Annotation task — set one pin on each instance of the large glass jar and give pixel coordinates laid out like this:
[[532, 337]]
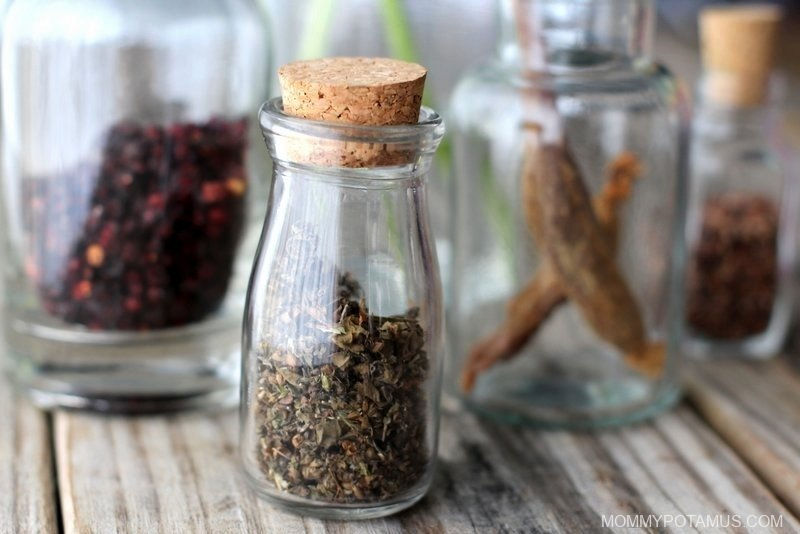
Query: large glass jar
[[566, 226], [343, 337], [126, 180]]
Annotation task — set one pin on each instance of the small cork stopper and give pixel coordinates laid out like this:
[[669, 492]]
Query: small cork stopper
[[353, 90], [738, 48]]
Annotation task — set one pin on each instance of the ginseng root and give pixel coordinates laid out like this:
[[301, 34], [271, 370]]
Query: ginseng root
[[563, 223], [528, 310]]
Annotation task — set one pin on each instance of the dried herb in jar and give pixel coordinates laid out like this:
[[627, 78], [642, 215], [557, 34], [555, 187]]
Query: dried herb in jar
[[733, 268], [342, 409], [146, 239]]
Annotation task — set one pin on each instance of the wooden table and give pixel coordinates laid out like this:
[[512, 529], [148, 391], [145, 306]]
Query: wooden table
[[733, 447]]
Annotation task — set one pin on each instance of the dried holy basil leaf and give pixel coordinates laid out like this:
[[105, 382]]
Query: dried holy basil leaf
[[342, 409]]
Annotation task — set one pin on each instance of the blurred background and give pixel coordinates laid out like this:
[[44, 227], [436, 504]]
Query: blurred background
[[451, 36], [448, 36]]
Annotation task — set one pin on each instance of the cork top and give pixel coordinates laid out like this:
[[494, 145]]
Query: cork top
[[355, 90], [738, 48]]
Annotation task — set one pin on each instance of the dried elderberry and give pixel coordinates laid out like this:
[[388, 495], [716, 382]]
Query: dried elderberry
[[733, 270], [146, 239]]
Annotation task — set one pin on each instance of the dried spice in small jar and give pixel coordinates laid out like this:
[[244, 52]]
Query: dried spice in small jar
[[157, 225], [740, 229], [343, 327], [733, 269]]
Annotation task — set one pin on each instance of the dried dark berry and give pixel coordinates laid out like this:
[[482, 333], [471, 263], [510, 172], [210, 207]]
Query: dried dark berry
[[733, 270], [82, 290], [95, 254], [147, 238]]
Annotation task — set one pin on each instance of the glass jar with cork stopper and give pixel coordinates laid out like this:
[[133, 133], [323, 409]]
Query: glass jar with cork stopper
[[743, 199], [567, 220], [342, 346]]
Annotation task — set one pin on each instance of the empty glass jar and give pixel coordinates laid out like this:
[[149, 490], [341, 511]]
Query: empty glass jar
[[567, 220], [342, 346], [126, 181]]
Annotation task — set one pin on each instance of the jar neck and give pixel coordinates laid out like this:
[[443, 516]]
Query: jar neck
[[720, 120], [378, 179], [572, 35], [738, 92], [361, 155]]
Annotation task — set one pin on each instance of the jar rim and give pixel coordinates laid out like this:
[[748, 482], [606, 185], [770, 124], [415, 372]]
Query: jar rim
[[274, 121]]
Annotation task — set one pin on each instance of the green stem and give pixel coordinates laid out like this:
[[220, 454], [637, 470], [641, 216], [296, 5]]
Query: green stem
[[315, 33], [394, 231], [398, 30], [400, 41], [498, 211]]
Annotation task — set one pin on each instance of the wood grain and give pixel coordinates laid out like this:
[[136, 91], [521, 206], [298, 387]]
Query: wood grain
[[160, 474], [27, 493], [755, 407], [180, 474]]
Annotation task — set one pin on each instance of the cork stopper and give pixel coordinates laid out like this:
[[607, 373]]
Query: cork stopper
[[353, 90], [738, 48]]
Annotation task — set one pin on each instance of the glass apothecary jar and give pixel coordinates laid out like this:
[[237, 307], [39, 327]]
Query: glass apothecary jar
[[567, 220], [126, 180], [343, 340], [743, 196]]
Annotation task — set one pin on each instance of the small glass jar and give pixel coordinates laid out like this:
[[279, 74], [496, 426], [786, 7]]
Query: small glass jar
[[743, 197], [342, 345], [127, 174], [572, 320]]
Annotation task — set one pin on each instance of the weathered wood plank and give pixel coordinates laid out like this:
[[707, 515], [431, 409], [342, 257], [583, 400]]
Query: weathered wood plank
[[755, 407], [160, 474], [179, 473], [27, 493]]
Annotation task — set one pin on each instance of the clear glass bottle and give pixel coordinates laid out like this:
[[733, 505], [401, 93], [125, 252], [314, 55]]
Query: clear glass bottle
[[532, 340], [127, 173], [343, 341], [743, 207]]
